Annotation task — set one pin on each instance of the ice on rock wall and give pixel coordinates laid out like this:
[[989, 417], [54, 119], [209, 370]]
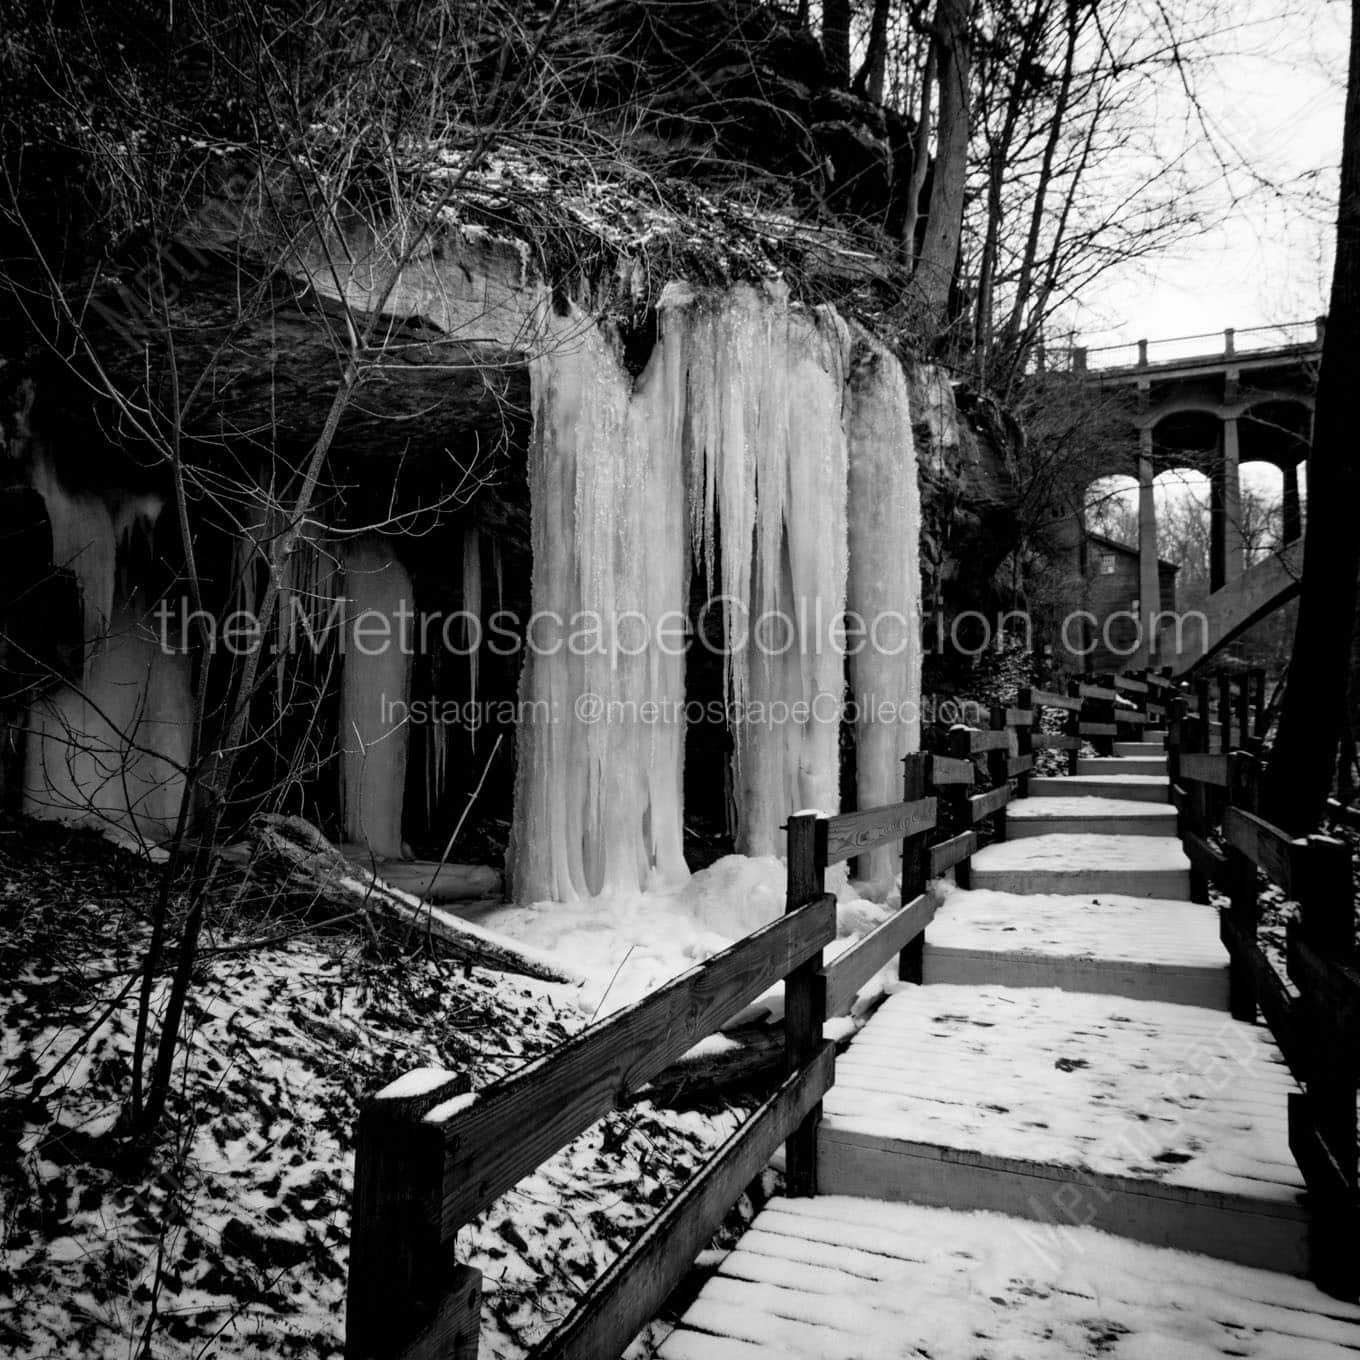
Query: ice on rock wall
[[885, 584], [85, 542], [598, 784], [374, 692], [767, 476], [109, 750], [729, 449], [111, 753]]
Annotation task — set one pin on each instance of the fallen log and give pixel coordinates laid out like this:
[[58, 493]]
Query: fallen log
[[426, 881], [312, 862]]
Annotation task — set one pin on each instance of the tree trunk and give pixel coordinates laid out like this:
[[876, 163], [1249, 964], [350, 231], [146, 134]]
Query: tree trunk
[[307, 859], [836, 40], [869, 78], [1299, 776], [934, 273], [920, 163]]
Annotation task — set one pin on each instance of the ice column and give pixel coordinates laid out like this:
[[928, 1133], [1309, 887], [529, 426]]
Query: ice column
[[112, 751], [378, 641], [766, 465], [85, 541], [601, 737], [884, 595]]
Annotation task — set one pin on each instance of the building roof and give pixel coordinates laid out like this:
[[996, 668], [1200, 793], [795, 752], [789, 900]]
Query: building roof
[[1126, 548]]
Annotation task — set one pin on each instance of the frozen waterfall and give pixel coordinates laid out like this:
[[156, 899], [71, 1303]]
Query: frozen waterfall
[[762, 445], [885, 585]]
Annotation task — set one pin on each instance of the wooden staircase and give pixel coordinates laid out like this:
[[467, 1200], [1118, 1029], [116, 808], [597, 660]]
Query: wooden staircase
[[1067, 1087]]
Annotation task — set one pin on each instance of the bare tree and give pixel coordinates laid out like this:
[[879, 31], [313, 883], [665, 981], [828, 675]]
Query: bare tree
[[366, 129]]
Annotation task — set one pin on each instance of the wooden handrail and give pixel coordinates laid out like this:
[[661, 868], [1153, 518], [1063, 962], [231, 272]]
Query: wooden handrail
[[1318, 1031]]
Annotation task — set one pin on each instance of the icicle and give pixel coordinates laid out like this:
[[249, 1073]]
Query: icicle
[[85, 541], [767, 472], [598, 790], [472, 607], [885, 582], [375, 692]]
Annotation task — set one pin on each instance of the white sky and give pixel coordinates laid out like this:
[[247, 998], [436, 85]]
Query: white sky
[[1274, 95]]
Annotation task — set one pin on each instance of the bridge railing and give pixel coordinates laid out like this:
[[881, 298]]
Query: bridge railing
[[1222, 344]]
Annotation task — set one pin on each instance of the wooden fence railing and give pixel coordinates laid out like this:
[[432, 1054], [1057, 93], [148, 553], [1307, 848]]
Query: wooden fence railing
[[1317, 1027], [432, 1155]]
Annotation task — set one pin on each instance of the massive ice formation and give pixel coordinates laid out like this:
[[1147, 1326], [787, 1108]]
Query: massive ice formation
[[109, 749], [598, 786], [885, 583], [732, 445], [766, 461], [378, 641]]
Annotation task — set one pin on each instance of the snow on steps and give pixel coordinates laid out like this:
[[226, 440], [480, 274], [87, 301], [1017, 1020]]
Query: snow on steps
[[830, 1278], [1162, 1123], [1103, 816], [1136, 866], [1122, 765], [1143, 787], [1134, 947]]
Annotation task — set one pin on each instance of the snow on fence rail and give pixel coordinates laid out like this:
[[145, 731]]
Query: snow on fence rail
[[1317, 1030]]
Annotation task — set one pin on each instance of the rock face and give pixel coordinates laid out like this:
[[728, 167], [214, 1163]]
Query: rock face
[[745, 172], [965, 452]]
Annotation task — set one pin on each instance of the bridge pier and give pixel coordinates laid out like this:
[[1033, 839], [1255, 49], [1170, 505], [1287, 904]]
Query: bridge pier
[[1149, 578], [1225, 510], [1292, 526]]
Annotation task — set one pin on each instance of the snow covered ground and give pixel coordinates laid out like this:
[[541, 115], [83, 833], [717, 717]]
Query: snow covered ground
[[233, 1240], [630, 943]]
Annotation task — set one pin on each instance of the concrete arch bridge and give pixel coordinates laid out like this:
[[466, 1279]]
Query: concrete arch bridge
[[1247, 399]]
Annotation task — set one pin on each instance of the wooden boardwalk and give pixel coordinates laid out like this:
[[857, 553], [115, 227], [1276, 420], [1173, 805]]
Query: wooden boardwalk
[[1019, 1155]]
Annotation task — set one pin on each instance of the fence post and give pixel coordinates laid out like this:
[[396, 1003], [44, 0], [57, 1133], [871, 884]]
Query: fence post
[[1072, 726], [960, 747], [1103, 711], [1244, 712], [1175, 719], [1325, 1113], [997, 771], [1024, 737], [1195, 818], [1243, 909], [1225, 708], [915, 865], [804, 993], [407, 1298]]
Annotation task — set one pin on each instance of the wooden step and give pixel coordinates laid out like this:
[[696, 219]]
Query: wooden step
[[1140, 748], [1116, 765], [1144, 948], [1135, 866], [1075, 815], [833, 1276], [1142, 787], [1163, 1123]]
